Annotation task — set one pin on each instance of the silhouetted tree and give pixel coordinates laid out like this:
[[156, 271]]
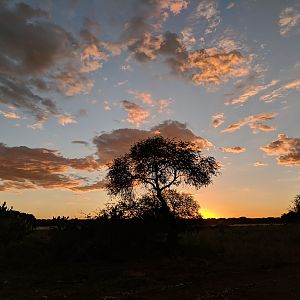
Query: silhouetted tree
[[157, 164], [293, 213], [148, 207], [14, 225], [295, 206]]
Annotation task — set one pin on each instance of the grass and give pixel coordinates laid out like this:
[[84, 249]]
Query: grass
[[222, 262]]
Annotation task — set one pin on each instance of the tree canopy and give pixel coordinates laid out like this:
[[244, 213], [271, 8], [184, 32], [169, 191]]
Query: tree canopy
[[157, 164], [293, 213], [295, 205], [148, 207]]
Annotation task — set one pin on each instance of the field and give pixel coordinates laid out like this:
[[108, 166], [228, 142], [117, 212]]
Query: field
[[220, 262]]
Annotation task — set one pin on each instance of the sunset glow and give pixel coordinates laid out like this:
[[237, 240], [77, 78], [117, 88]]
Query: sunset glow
[[81, 81]]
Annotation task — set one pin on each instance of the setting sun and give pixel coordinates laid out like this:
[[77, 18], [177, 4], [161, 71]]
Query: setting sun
[[207, 214], [149, 149]]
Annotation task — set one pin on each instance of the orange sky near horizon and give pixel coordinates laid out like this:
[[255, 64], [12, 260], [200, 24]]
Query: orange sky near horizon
[[81, 81]]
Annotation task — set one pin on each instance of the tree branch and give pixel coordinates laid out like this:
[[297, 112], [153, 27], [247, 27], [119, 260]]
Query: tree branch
[[171, 182]]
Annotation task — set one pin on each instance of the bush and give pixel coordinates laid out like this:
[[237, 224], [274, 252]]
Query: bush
[[14, 225]]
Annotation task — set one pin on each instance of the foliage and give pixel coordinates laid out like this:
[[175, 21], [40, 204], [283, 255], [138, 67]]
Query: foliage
[[14, 225], [293, 213], [148, 207], [295, 206], [156, 164]]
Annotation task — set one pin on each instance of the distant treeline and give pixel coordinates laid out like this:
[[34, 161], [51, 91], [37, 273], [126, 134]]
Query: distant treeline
[[59, 221]]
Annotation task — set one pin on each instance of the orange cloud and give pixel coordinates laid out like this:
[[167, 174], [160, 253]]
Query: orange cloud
[[188, 38], [282, 91], [161, 105], [258, 126], [9, 115], [176, 6], [288, 19], [288, 147], [217, 120], [28, 168], [71, 83], [135, 113], [213, 67], [208, 9], [53, 61], [145, 97], [118, 142], [252, 122], [259, 164], [210, 66], [66, 119], [233, 149], [91, 58], [252, 91]]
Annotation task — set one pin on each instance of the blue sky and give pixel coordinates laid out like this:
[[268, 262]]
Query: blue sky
[[80, 81]]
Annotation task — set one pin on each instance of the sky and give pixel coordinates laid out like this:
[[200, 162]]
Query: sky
[[81, 81]]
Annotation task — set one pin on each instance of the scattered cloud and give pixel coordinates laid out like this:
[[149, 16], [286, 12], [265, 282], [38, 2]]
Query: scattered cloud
[[126, 67], [282, 91], [120, 83], [92, 58], [66, 119], [71, 83], [217, 120], [214, 67], [208, 9], [251, 92], [80, 142], [253, 122], [258, 126], [118, 142], [211, 66], [161, 105], [233, 149], [107, 106], [176, 6], [32, 168], [38, 57], [228, 44], [230, 5], [145, 97], [260, 164], [289, 18], [286, 149], [135, 113], [9, 115], [188, 38]]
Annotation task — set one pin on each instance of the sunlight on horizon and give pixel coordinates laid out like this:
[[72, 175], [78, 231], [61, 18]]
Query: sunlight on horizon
[[208, 214], [86, 88]]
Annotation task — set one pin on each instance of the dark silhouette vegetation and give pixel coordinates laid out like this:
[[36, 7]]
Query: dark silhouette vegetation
[[293, 214], [148, 207], [129, 245], [156, 165], [129, 258], [14, 225]]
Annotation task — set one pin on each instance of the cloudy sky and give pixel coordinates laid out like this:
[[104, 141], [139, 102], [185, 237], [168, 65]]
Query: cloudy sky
[[80, 81]]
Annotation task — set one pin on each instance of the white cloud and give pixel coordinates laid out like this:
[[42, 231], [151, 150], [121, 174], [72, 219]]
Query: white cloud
[[288, 19]]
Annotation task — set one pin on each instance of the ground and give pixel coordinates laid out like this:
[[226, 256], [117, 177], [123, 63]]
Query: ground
[[166, 279], [249, 263]]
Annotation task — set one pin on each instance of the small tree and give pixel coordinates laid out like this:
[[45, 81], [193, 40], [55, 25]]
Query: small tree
[[293, 214], [148, 207], [295, 205], [156, 165]]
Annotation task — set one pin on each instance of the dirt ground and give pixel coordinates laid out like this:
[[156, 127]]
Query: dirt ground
[[173, 278]]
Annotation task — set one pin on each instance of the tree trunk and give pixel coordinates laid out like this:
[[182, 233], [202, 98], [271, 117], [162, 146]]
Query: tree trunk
[[164, 206], [170, 223]]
